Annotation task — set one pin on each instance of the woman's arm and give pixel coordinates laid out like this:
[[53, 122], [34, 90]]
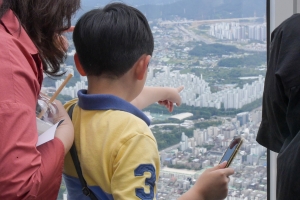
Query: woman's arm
[[26, 171]]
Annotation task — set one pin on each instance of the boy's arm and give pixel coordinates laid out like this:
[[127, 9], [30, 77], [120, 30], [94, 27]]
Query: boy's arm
[[164, 95], [211, 185], [136, 169]]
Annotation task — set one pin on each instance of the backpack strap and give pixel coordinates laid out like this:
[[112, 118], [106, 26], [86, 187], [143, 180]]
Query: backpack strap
[[85, 190]]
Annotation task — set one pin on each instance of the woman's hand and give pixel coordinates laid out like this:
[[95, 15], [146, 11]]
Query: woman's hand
[[65, 131], [62, 41]]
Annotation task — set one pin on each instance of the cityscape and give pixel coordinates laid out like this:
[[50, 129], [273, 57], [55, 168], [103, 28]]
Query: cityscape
[[203, 76], [206, 148]]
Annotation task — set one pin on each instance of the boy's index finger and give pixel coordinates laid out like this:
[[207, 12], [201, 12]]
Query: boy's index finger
[[179, 89]]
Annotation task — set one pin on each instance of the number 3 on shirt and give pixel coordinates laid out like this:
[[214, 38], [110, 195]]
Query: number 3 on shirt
[[139, 171]]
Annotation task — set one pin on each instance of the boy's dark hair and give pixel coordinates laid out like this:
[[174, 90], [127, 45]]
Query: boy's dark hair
[[110, 40]]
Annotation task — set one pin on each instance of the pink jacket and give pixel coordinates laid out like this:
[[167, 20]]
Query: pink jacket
[[26, 172]]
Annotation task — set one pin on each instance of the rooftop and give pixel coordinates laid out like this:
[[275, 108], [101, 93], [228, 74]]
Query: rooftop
[[181, 116]]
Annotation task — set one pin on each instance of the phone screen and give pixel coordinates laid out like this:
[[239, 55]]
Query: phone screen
[[231, 150]]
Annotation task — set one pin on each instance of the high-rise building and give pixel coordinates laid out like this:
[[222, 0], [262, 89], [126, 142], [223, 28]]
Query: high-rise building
[[243, 118]]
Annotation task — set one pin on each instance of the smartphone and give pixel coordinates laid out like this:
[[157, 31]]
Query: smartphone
[[232, 150]]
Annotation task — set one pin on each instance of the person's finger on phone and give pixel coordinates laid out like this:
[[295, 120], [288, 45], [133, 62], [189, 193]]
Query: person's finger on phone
[[221, 165], [229, 171], [213, 182]]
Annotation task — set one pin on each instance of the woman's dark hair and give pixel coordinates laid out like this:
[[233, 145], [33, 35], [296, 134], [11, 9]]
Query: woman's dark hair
[[44, 21], [110, 40]]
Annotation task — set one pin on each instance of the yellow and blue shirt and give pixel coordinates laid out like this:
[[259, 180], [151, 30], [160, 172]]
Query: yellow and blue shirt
[[116, 148]]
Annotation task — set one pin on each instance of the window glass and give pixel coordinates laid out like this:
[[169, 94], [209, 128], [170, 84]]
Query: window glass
[[217, 50]]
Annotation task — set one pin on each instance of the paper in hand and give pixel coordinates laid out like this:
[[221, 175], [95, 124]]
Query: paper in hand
[[48, 134]]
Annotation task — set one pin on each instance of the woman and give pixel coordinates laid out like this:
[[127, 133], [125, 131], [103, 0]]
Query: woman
[[30, 44]]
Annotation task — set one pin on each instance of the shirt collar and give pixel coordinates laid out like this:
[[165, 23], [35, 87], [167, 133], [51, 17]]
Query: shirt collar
[[108, 102], [13, 27]]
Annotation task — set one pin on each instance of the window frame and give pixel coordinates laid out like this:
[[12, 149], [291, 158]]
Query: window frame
[[276, 12]]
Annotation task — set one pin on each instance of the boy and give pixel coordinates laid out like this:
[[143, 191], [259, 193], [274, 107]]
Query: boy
[[117, 151]]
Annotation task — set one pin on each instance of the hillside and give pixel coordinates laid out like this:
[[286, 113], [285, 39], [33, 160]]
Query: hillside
[[190, 9], [206, 9]]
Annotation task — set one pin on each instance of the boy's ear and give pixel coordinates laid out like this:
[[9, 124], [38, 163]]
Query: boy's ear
[[142, 66], [78, 65]]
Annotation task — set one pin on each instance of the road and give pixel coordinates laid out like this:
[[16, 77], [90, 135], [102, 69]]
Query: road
[[195, 36], [207, 21]]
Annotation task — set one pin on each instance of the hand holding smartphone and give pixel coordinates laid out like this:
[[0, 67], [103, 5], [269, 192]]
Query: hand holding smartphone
[[232, 150]]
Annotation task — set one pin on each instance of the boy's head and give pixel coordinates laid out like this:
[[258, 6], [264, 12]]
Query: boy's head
[[109, 41]]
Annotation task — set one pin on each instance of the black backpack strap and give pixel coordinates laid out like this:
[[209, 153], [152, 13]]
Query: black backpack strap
[[85, 190]]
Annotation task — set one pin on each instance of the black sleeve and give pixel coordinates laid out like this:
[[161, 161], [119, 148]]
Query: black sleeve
[[293, 111]]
